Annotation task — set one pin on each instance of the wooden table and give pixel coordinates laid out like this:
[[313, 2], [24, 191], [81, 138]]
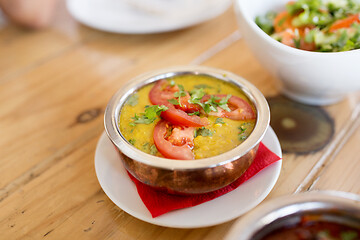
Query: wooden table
[[54, 87]]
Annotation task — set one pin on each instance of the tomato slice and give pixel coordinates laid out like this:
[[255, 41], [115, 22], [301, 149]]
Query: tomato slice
[[161, 93], [178, 145], [179, 117], [240, 109], [186, 106], [345, 23]]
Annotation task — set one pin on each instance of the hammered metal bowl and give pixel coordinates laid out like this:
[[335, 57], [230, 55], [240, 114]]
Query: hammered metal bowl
[[329, 206], [187, 176]]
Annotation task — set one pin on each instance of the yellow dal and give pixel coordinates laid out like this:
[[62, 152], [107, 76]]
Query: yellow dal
[[225, 136]]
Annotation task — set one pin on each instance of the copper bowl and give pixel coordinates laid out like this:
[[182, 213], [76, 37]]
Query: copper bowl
[[187, 176]]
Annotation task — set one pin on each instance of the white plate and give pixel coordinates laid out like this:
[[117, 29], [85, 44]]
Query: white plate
[[122, 191], [144, 16]]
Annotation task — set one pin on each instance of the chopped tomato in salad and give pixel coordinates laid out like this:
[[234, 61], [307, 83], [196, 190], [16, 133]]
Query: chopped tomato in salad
[[315, 25], [184, 119]]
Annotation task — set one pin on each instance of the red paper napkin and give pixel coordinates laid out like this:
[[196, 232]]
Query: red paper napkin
[[158, 202]]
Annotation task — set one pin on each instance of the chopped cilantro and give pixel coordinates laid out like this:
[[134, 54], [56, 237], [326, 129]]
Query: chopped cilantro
[[219, 120], [132, 141], [141, 120], [213, 103], [153, 150], [180, 93], [196, 95], [150, 115], [223, 103], [150, 148], [210, 105], [173, 101], [297, 42], [266, 22], [242, 137], [145, 146], [242, 129], [194, 113], [349, 235], [133, 100], [154, 111], [202, 86], [204, 132]]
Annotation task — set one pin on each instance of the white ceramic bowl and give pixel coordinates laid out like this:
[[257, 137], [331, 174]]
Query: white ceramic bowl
[[314, 78]]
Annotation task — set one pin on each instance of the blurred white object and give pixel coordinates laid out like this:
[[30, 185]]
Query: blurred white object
[[310, 77], [144, 16]]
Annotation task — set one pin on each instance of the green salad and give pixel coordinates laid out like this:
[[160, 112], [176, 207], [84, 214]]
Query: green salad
[[315, 25]]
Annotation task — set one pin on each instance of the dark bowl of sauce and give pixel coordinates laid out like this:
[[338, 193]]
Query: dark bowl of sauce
[[320, 215]]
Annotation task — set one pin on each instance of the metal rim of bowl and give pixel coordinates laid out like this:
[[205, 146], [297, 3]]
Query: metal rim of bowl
[[248, 226], [114, 106]]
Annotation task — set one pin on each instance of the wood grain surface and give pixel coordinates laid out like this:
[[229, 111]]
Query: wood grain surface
[[54, 87]]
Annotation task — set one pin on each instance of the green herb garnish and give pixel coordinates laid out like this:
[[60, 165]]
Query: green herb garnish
[[150, 148], [213, 103], [266, 22], [223, 103], [194, 113], [151, 114], [242, 130], [202, 86], [219, 120], [349, 235], [173, 101], [204, 132], [196, 95], [133, 100], [145, 146], [180, 93], [153, 150], [210, 105], [296, 42], [132, 141]]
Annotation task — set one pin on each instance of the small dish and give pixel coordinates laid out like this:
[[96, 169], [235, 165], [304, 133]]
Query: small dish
[[121, 190], [193, 175], [143, 17], [306, 214]]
